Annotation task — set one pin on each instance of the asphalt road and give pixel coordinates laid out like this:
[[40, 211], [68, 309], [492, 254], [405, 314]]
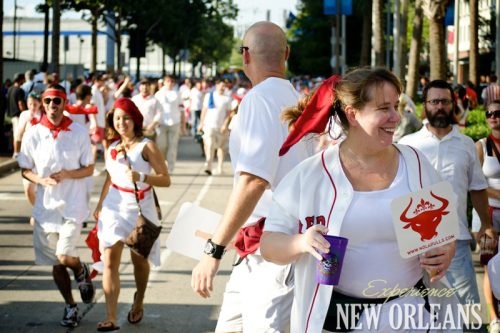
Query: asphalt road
[[29, 301]]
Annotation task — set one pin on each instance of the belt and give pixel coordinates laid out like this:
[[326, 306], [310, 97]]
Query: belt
[[140, 193]]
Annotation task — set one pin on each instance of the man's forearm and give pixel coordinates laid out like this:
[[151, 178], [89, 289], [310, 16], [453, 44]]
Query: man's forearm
[[242, 202], [82, 172]]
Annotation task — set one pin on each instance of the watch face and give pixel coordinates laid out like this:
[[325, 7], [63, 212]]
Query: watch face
[[209, 248]]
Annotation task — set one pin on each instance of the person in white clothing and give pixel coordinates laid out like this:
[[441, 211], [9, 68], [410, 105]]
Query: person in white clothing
[[487, 149], [56, 155], [454, 156], [29, 118], [216, 109], [167, 133], [259, 294], [346, 190], [129, 161], [149, 107], [195, 104], [97, 128]]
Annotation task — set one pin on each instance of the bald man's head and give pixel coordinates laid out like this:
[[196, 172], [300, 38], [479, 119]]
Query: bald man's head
[[267, 44]]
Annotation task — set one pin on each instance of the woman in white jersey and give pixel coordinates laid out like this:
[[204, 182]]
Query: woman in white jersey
[[346, 190], [487, 152], [117, 208], [27, 119]]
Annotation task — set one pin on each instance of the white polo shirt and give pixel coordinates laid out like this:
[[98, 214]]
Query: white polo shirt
[[214, 117], [455, 158], [44, 155], [149, 107]]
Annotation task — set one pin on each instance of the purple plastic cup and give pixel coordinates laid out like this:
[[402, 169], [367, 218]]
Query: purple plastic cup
[[328, 270]]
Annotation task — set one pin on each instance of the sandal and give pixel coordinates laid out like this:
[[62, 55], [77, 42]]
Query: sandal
[[107, 326], [132, 311]]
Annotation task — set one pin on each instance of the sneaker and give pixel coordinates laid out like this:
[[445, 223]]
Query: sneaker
[[87, 290], [70, 318], [494, 326]]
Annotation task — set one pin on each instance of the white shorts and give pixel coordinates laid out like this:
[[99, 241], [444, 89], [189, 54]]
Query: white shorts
[[258, 297], [214, 139], [48, 245]]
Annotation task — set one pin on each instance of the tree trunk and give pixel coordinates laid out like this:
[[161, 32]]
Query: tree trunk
[[404, 44], [435, 11], [163, 68], [2, 109], [415, 48], [174, 59], [378, 32], [45, 63], [118, 35], [93, 58], [56, 32], [474, 48], [366, 38]]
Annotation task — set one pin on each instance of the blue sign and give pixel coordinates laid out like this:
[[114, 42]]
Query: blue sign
[[330, 7]]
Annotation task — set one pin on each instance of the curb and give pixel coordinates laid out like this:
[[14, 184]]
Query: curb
[[8, 166]]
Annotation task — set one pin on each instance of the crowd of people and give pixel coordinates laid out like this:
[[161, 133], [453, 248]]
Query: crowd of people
[[308, 161]]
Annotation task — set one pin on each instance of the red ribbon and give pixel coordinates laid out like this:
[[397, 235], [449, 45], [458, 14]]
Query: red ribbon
[[140, 193], [497, 141], [63, 125], [315, 116]]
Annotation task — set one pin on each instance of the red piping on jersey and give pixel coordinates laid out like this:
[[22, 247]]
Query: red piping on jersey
[[419, 166], [327, 224]]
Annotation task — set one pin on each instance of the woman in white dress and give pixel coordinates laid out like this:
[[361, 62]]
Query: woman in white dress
[[117, 208]]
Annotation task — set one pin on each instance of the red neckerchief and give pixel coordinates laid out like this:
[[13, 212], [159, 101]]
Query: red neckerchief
[[78, 109], [34, 120], [63, 125], [497, 141]]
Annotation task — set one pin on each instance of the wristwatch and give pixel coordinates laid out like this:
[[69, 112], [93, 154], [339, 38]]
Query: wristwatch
[[214, 250]]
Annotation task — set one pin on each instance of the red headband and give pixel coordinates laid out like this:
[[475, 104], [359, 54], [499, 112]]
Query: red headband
[[130, 108], [54, 93], [315, 116]]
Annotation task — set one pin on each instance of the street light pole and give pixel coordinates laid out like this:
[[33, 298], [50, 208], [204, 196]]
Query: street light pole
[[14, 31]]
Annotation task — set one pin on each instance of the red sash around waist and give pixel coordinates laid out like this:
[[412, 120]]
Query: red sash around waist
[[140, 193]]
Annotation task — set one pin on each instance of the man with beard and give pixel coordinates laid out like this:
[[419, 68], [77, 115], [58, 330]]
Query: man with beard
[[454, 157]]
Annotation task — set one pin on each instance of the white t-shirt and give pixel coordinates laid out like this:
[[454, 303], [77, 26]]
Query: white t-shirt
[[25, 120], [98, 100], [455, 158], [170, 101], [196, 97], [149, 107], [257, 135], [362, 264], [44, 155], [214, 117]]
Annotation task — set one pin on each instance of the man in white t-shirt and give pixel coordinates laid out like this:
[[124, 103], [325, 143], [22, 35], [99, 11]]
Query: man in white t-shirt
[[196, 104], [56, 155], [149, 107], [97, 128], [259, 294], [454, 156], [216, 108], [167, 133]]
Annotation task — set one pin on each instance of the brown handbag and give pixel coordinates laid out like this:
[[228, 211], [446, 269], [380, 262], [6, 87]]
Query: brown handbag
[[145, 232]]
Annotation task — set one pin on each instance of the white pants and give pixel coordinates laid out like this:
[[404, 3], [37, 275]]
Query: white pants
[[167, 139], [258, 297]]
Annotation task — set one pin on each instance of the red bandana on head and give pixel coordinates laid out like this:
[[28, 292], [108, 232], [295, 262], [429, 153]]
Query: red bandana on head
[[54, 93], [315, 116], [63, 125]]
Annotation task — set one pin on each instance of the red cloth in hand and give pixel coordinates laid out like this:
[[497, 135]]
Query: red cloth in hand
[[247, 239], [93, 244]]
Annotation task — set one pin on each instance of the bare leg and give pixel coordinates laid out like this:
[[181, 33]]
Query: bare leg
[[111, 279], [209, 156], [141, 274], [491, 302], [220, 159], [63, 282]]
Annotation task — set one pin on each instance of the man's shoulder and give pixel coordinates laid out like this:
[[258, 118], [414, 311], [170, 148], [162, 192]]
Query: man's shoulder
[[412, 138]]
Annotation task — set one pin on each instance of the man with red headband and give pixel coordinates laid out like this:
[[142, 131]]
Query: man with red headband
[[259, 294], [56, 155]]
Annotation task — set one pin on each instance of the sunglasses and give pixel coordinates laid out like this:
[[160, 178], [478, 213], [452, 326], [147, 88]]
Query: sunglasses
[[242, 48], [493, 114], [55, 100]]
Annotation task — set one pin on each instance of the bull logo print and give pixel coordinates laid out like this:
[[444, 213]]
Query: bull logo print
[[426, 218], [329, 265]]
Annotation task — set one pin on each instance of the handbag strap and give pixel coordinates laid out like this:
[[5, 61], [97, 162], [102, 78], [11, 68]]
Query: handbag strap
[[495, 149], [136, 189]]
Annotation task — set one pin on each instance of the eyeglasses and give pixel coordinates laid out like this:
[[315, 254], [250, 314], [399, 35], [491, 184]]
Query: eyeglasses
[[55, 100], [493, 114], [443, 101], [242, 48]]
